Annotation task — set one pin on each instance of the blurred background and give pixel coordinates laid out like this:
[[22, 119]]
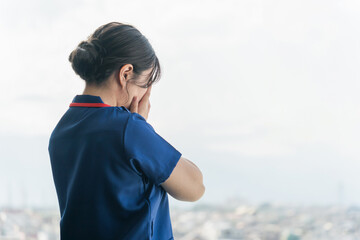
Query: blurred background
[[262, 95]]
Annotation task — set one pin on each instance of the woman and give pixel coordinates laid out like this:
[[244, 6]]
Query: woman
[[111, 170]]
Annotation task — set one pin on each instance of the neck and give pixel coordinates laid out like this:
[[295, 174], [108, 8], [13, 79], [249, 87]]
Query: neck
[[107, 95]]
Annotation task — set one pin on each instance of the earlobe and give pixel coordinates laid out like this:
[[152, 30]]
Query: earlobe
[[119, 79]]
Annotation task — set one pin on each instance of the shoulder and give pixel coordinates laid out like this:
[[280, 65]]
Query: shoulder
[[132, 116], [107, 119], [136, 121], [122, 118]]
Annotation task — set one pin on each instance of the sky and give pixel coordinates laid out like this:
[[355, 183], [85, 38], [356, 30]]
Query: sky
[[261, 95]]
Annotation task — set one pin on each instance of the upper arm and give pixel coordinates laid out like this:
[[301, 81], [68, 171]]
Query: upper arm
[[185, 182], [147, 152], [150, 154]]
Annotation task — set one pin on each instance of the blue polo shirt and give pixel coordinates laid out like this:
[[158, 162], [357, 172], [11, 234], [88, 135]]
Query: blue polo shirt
[[107, 165]]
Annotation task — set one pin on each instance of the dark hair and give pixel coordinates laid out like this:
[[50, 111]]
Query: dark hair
[[110, 47]]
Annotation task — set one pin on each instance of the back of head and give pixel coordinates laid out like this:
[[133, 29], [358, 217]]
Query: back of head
[[111, 46]]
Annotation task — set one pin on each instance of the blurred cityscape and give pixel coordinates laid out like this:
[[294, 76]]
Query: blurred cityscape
[[232, 220]]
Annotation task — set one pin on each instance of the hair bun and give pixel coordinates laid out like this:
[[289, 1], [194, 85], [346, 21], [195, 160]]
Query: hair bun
[[102, 54], [95, 42], [86, 59]]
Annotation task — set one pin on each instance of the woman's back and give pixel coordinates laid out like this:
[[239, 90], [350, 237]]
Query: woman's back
[[107, 165]]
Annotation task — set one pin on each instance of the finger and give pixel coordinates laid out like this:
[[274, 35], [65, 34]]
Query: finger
[[134, 105], [148, 91], [146, 96]]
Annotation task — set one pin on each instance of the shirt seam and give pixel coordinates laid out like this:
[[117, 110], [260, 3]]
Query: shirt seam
[[127, 155], [149, 217], [125, 127]]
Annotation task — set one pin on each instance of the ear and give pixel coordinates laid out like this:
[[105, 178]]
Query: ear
[[125, 74]]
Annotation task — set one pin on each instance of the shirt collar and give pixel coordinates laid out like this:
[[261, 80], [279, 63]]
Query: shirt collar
[[84, 98]]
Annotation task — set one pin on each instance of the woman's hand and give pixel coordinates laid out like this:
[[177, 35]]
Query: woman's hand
[[141, 107]]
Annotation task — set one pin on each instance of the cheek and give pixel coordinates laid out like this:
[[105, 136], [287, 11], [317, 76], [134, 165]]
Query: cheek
[[136, 91]]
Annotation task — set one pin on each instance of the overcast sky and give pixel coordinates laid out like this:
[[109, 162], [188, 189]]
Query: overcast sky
[[262, 95]]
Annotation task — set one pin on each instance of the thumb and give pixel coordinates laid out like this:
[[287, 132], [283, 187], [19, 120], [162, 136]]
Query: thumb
[[134, 105]]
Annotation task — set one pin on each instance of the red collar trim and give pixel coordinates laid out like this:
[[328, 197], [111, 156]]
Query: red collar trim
[[89, 105]]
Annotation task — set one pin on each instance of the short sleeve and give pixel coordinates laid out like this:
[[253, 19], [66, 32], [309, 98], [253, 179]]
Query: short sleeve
[[147, 150]]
